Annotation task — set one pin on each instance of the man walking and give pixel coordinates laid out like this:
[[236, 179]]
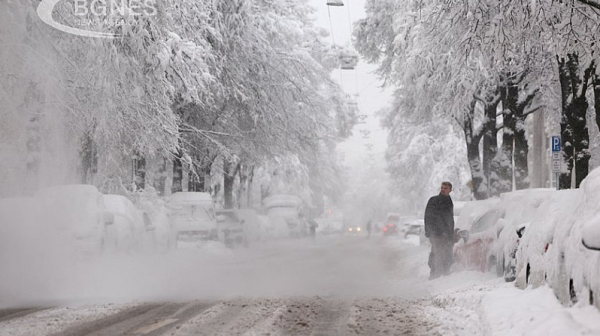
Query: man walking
[[439, 228]]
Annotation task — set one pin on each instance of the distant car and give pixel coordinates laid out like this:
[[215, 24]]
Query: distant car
[[283, 213], [192, 218], [231, 228], [414, 228], [79, 215], [354, 229], [390, 226], [473, 251]]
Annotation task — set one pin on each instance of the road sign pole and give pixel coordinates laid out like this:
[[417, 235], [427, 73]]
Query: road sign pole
[[556, 158]]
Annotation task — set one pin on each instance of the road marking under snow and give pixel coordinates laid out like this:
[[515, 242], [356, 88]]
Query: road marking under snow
[[150, 328]]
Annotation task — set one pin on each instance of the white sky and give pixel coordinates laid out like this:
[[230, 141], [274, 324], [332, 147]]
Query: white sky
[[371, 98]]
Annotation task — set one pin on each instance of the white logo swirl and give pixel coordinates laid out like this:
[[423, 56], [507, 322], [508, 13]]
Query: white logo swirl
[[44, 11]]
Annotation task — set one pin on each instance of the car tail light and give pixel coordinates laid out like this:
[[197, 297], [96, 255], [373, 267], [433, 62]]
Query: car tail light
[[385, 229], [390, 225]]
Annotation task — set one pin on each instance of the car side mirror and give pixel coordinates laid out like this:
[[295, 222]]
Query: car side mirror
[[521, 229], [591, 236], [108, 217]]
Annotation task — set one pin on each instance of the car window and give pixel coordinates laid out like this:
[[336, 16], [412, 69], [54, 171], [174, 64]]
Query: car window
[[485, 222]]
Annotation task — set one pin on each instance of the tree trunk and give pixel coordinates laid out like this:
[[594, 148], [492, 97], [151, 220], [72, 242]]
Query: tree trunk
[[228, 179], [160, 176], [504, 160], [139, 172], [564, 181], [596, 83], [89, 158], [521, 145], [177, 174], [250, 189], [574, 129], [34, 142], [243, 187], [472, 139], [490, 140]]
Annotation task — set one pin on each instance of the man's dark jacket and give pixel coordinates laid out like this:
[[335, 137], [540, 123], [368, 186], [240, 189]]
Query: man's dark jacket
[[439, 216]]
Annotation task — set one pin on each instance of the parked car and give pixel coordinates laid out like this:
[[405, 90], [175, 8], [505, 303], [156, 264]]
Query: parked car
[[520, 209], [22, 230], [134, 227], [192, 218], [538, 247], [231, 228], [283, 213], [252, 224], [79, 216], [473, 252], [572, 259], [416, 227]]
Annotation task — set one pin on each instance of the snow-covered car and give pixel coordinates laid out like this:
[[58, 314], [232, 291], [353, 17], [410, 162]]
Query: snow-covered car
[[414, 228], [192, 218], [252, 224], [79, 216], [22, 229], [473, 252], [134, 227], [538, 249], [572, 261], [283, 213], [231, 228], [520, 209]]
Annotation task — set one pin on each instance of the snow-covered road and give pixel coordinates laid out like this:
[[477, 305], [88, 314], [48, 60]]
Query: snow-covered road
[[337, 285]]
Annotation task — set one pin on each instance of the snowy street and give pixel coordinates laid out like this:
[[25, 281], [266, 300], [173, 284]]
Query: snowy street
[[336, 285], [299, 167]]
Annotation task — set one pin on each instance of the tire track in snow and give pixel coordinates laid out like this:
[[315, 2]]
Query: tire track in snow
[[9, 314]]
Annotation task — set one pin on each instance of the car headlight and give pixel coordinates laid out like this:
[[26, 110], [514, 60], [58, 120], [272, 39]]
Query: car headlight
[[357, 229]]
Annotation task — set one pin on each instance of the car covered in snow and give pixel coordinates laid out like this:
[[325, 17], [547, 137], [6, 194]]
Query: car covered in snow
[[79, 216], [572, 260], [231, 228], [520, 209], [283, 211], [135, 231], [253, 224], [473, 251], [538, 245], [192, 218]]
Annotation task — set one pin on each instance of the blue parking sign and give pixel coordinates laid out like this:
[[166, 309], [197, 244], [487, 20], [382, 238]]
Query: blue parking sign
[[556, 143]]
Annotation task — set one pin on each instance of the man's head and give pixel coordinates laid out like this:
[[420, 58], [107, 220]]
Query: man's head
[[446, 188]]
